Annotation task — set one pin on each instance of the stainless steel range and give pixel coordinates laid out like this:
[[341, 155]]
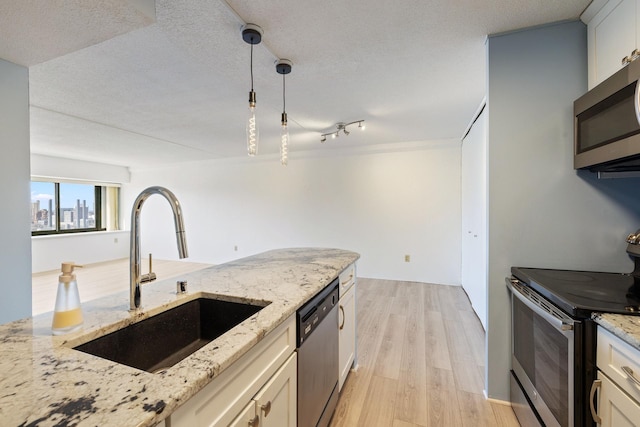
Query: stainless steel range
[[554, 338]]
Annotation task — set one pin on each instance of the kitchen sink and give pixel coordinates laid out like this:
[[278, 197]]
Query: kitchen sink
[[161, 341]]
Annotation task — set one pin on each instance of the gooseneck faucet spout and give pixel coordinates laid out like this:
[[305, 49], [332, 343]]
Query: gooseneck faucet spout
[[134, 248]]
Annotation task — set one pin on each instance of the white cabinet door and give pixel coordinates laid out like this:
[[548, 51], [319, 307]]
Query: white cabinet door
[[616, 408], [277, 401], [612, 34], [347, 325], [220, 402], [247, 417]]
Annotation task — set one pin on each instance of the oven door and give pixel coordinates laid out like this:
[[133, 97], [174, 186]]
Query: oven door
[[543, 354]]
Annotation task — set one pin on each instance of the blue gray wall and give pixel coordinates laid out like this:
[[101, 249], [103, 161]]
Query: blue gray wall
[[542, 213], [15, 229]]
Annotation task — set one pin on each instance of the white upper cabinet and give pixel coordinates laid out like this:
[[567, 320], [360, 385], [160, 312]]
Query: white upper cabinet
[[612, 36]]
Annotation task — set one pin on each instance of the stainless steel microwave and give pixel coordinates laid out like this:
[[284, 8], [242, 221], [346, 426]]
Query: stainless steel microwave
[[607, 124]]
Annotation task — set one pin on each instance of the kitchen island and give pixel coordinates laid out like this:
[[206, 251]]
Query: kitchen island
[[44, 382]]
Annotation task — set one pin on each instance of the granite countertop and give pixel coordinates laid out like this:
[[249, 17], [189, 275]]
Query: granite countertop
[[44, 382], [626, 327]]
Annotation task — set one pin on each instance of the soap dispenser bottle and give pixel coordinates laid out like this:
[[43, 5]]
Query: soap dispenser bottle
[[67, 315]]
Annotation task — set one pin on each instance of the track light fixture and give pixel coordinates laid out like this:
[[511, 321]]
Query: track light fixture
[[341, 127], [283, 66], [252, 34]]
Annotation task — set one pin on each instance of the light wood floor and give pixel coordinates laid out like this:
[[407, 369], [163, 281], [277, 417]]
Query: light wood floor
[[420, 360], [101, 279]]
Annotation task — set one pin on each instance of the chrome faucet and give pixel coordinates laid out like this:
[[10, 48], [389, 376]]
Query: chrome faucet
[[134, 248]]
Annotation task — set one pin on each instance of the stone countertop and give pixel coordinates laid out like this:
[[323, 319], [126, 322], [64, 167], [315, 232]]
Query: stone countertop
[[626, 327], [44, 382]]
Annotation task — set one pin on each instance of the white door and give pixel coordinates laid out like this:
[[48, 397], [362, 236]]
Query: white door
[[474, 217]]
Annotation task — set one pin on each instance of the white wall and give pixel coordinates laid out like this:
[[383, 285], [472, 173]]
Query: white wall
[[382, 205], [48, 252], [83, 248], [15, 228], [60, 168], [541, 212]]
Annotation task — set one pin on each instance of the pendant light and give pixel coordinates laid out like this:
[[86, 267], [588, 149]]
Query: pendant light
[[252, 34], [284, 67]]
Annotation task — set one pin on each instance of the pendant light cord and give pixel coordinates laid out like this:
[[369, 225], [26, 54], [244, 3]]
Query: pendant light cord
[[284, 99], [251, 66]]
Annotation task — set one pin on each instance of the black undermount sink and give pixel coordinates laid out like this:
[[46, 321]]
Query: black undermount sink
[[161, 341]]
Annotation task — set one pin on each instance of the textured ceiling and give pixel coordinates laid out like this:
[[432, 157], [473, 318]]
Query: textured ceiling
[[34, 31], [134, 93]]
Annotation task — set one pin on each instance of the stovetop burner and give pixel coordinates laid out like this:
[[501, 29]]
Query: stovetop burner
[[579, 293]]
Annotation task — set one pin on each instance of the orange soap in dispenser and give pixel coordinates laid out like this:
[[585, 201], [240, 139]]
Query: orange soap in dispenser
[[67, 315]]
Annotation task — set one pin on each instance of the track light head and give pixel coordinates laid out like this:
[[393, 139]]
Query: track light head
[[341, 126]]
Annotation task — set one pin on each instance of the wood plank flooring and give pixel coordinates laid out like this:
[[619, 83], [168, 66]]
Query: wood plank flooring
[[420, 360], [101, 279]]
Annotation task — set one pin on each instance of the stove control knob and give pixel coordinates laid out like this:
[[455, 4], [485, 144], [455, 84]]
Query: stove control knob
[[633, 239]]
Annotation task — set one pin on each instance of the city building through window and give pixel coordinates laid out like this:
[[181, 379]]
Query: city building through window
[[61, 207]]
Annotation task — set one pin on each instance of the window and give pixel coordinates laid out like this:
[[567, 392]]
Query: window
[[63, 207]]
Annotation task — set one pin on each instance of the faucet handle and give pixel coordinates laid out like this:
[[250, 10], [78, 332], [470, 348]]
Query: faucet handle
[[634, 238], [150, 276], [181, 287]]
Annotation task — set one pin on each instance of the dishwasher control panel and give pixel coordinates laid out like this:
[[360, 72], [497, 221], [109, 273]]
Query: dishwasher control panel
[[314, 311]]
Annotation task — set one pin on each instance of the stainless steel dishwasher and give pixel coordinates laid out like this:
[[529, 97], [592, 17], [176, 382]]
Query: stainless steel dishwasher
[[317, 328]]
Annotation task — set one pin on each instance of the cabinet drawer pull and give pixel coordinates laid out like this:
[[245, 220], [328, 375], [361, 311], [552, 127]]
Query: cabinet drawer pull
[[343, 319], [627, 370], [255, 422], [266, 408], [347, 282], [625, 60], [596, 385]]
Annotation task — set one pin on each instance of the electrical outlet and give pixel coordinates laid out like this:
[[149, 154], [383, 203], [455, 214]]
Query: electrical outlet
[[115, 240], [407, 258], [235, 248]]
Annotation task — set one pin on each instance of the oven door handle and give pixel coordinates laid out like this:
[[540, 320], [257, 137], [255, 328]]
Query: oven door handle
[[561, 324]]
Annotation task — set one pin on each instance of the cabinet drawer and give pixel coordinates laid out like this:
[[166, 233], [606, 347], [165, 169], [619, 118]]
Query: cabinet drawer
[[228, 395], [347, 278], [619, 361]]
